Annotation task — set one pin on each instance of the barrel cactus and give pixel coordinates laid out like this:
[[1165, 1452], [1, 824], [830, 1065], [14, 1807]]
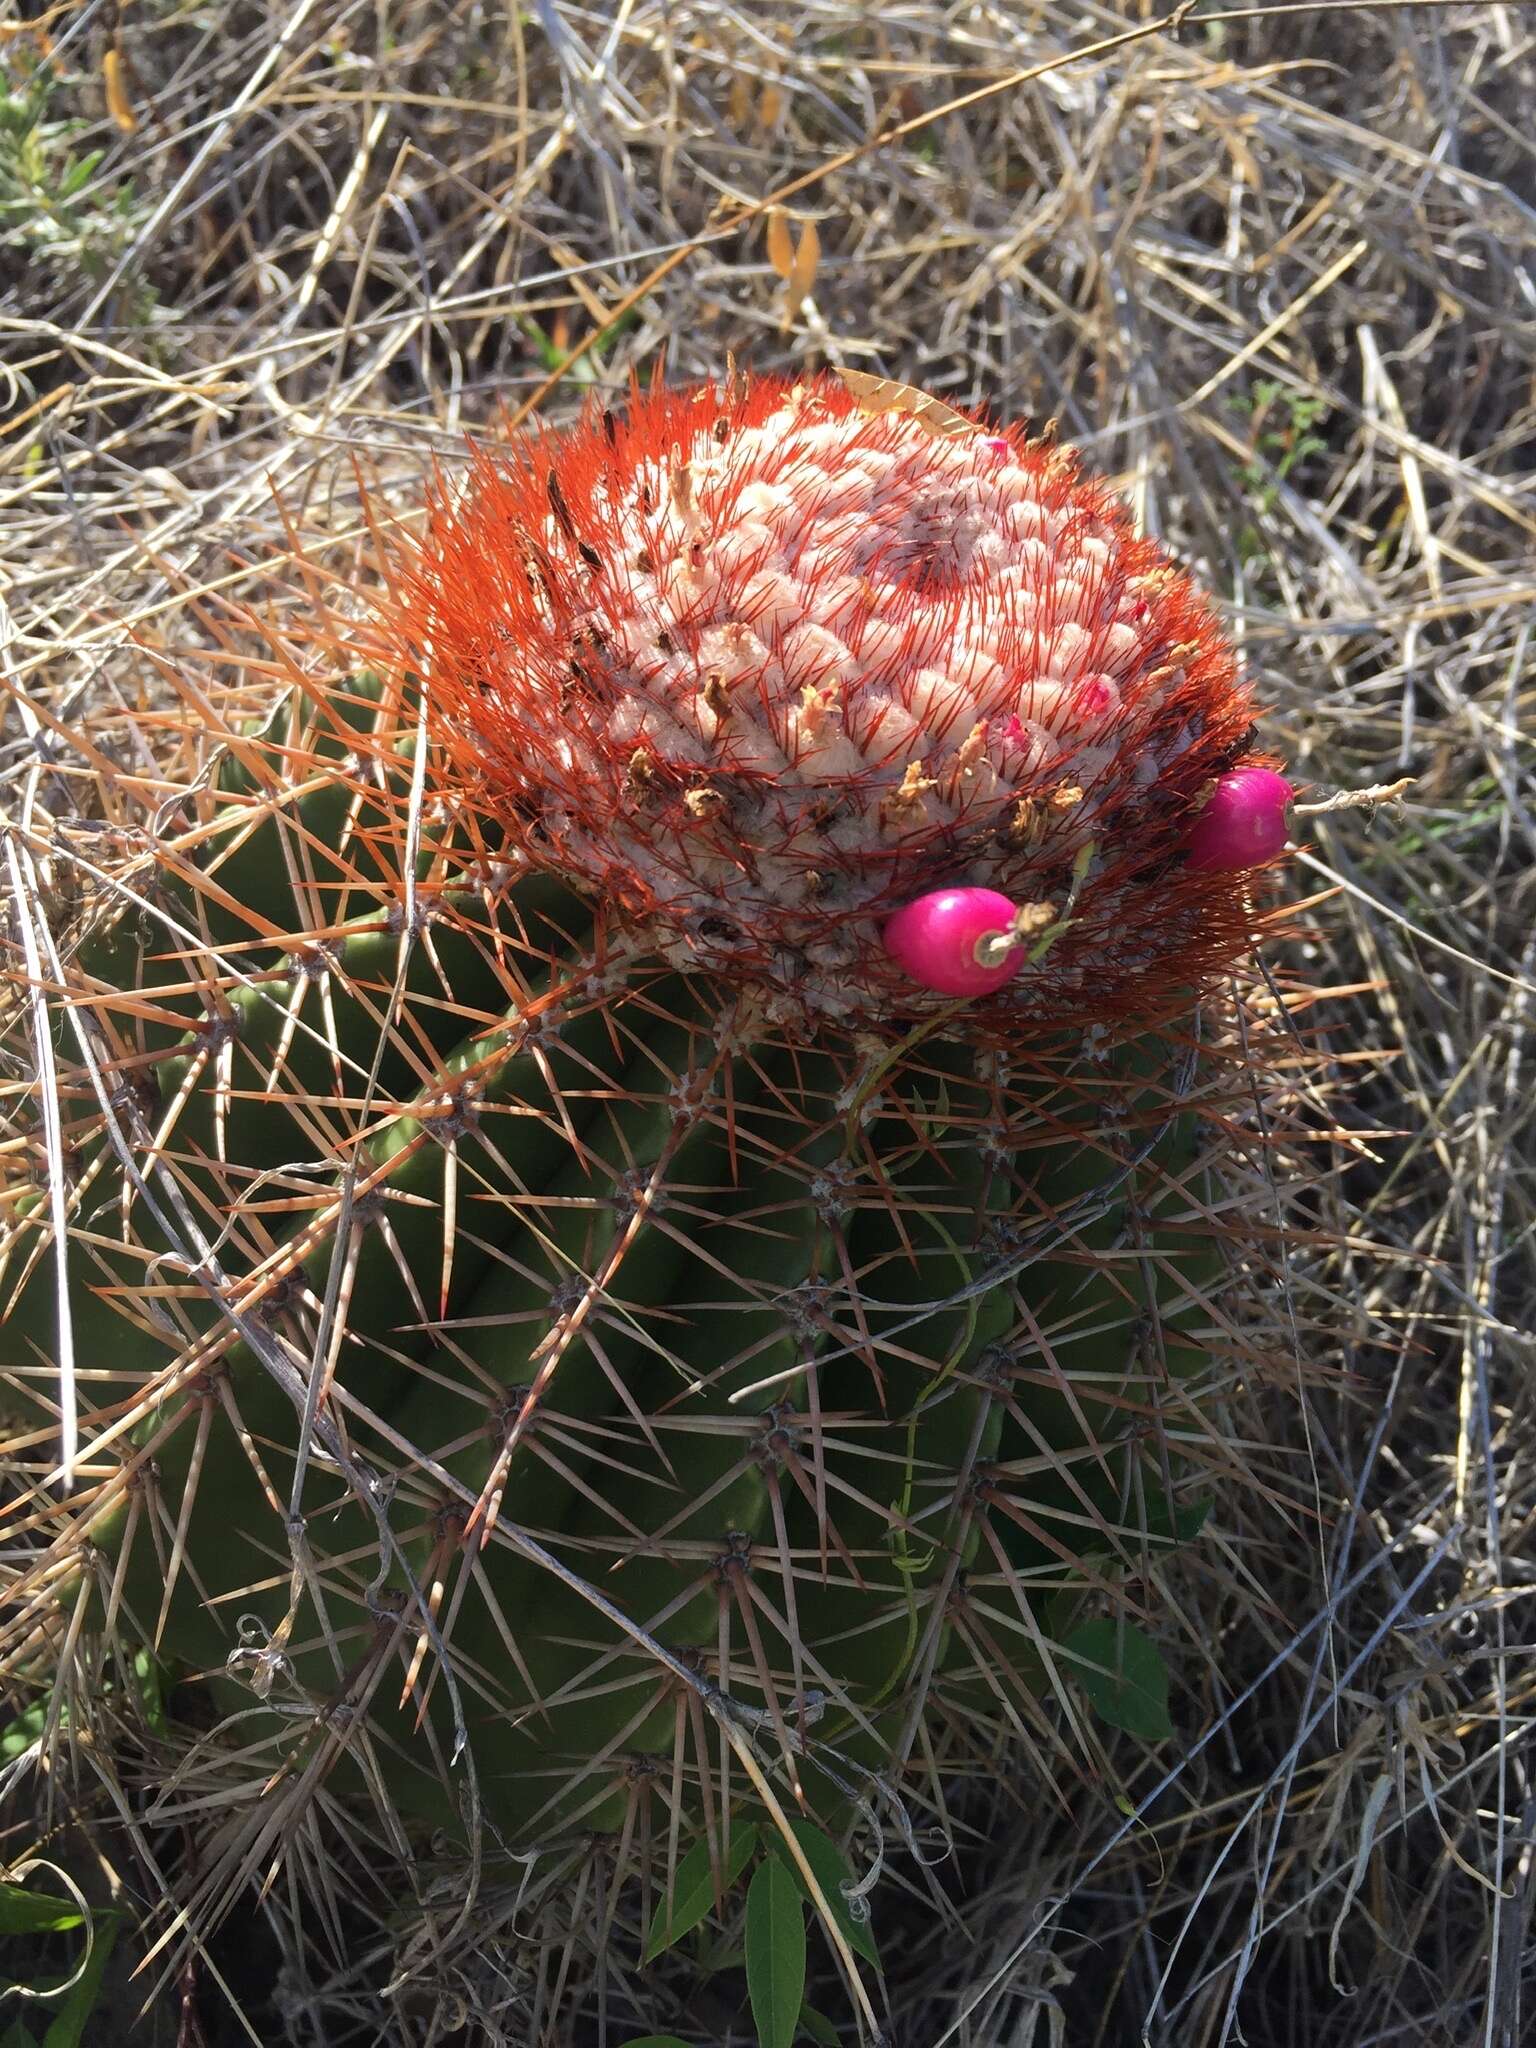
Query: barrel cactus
[[639, 1130]]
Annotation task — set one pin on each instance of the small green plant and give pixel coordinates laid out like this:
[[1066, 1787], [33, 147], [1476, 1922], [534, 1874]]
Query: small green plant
[[553, 353], [54, 209], [63, 2001], [773, 1945], [1281, 436]]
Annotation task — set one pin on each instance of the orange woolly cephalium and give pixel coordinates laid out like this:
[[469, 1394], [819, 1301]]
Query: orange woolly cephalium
[[602, 1331], [757, 667]]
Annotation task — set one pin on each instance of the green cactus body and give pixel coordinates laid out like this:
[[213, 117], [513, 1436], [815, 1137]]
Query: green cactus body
[[686, 1341]]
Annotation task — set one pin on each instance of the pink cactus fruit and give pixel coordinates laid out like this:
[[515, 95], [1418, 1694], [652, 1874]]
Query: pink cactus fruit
[[1243, 822], [953, 941]]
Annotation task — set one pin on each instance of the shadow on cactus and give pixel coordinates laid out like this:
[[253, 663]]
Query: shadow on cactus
[[639, 1133]]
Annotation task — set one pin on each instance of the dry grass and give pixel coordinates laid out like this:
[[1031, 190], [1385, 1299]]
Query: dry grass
[[1276, 274]]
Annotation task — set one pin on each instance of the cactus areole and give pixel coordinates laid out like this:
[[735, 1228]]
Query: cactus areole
[[641, 1162]]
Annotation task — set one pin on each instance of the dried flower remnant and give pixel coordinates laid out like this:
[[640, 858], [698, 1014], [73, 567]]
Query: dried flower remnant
[[887, 650]]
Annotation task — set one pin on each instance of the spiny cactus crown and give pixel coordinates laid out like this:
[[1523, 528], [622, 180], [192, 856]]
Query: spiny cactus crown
[[756, 667]]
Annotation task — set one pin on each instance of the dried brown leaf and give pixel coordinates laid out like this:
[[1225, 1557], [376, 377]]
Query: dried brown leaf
[[882, 394], [781, 253], [807, 256], [114, 79]]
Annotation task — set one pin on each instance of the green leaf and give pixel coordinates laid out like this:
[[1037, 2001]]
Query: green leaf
[[77, 173], [23, 1731], [68, 2029], [1123, 1674], [1183, 1524], [775, 1954], [613, 331], [832, 1873], [551, 357], [24, 1912], [16, 2036], [149, 1672], [693, 1889], [716, 1956], [819, 2027]]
